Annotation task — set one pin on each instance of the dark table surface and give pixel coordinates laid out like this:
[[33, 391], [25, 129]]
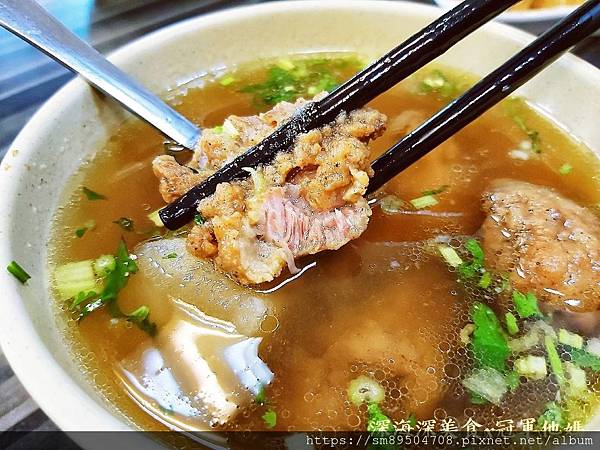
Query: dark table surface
[[28, 78]]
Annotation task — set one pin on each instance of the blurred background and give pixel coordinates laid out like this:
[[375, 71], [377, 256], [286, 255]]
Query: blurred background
[[28, 78]]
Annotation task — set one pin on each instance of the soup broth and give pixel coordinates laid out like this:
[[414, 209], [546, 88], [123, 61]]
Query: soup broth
[[385, 306]]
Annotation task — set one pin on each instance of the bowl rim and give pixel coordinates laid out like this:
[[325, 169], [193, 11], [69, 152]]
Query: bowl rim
[[65, 409], [532, 15]]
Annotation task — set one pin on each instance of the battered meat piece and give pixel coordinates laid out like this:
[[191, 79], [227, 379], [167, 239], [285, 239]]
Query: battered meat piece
[[546, 242], [306, 201]]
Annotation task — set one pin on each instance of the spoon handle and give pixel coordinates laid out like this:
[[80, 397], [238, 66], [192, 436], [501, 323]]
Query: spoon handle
[[28, 20]]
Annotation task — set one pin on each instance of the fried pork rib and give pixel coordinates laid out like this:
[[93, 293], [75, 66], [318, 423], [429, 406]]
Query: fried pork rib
[[306, 201], [547, 243]]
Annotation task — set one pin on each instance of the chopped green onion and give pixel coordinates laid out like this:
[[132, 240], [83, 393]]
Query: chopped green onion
[[552, 414], [125, 223], [72, 278], [436, 191], [261, 396], [554, 359], [227, 80], [79, 232], [412, 420], [485, 280], [198, 219], [436, 81], [218, 129], [450, 255], [571, 339], [526, 304], [487, 383], [91, 195], [565, 169], [423, 202], [377, 420], [18, 272], [531, 367], [270, 418], [511, 323], [103, 265], [171, 255], [155, 218], [365, 390], [140, 318]]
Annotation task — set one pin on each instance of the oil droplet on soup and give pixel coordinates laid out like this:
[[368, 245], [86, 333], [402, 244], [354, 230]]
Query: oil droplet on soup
[[384, 306]]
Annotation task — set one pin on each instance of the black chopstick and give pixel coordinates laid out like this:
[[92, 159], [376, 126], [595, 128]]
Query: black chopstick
[[485, 94], [393, 67]]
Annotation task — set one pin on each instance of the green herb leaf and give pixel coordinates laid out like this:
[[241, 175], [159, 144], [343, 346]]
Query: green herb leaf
[[488, 343], [554, 359], [18, 272], [585, 359], [172, 255], [79, 232], [436, 191], [82, 297], [125, 223], [270, 418], [485, 280], [377, 420], [565, 169], [552, 414], [526, 304], [198, 219], [91, 195], [288, 80]]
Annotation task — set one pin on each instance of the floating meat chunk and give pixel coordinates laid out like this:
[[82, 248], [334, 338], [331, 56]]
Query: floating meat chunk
[[175, 179], [546, 242], [306, 201]]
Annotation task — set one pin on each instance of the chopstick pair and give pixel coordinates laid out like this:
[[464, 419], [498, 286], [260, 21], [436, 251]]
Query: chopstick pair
[[393, 67]]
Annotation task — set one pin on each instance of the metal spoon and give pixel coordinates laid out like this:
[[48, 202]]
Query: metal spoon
[[32, 23]]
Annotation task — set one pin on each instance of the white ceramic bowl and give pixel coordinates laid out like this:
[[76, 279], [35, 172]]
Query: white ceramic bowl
[[534, 20], [76, 121]]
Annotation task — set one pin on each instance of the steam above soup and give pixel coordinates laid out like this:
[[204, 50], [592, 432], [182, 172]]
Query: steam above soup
[[467, 288]]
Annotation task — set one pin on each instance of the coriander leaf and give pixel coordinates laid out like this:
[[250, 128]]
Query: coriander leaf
[[476, 251], [125, 223], [79, 232], [585, 359], [198, 219], [488, 343], [377, 420], [526, 304], [270, 418], [552, 414], [91, 195], [436, 191], [18, 272]]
